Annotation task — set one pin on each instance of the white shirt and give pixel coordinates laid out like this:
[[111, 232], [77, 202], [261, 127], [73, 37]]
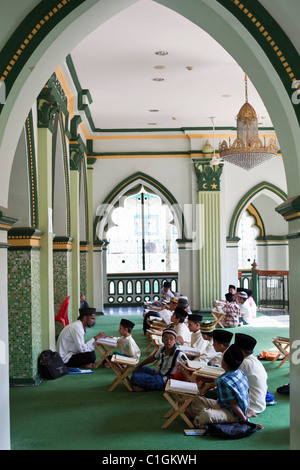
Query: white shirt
[[129, 347], [71, 341], [257, 378], [198, 342], [245, 311], [182, 330], [210, 355]]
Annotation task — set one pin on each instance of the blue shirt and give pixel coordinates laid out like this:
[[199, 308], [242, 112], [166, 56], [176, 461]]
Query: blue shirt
[[233, 385]]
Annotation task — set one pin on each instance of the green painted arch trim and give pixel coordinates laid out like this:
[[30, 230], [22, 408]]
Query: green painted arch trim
[[32, 171], [47, 14], [85, 196], [120, 189], [271, 38], [66, 170], [245, 201], [31, 31]]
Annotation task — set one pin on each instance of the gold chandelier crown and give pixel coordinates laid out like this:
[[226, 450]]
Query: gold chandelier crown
[[247, 112], [247, 150]]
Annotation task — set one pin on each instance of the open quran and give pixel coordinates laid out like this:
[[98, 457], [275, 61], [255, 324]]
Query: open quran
[[212, 371], [181, 386], [131, 361], [108, 341]]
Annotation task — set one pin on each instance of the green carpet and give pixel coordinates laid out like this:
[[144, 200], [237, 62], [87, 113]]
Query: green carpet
[[76, 412]]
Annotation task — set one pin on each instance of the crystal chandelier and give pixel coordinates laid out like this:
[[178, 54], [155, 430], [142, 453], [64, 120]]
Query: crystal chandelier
[[247, 151]]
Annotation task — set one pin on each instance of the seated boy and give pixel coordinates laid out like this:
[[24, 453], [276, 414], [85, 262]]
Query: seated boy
[[209, 355], [146, 378], [182, 331], [126, 342], [221, 340], [233, 393], [255, 373], [232, 312], [167, 312], [197, 341]]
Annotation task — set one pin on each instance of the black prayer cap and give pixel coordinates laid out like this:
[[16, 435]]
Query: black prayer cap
[[245, 342], [127, 323], [229, 297], [222, 336], [180, 312], [195, 317], [86, 311], [233, 357], [231, 286]]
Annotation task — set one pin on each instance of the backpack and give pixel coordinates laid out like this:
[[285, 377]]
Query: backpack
[[51, 365], [231, 430]]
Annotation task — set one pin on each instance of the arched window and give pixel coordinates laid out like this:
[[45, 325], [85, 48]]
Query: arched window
[[247, 233], [143, 238]]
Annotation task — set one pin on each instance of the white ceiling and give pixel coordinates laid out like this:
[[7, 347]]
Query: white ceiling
[[117, 64]]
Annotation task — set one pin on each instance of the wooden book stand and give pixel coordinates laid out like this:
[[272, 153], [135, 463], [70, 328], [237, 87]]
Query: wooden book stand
[[283, 345], [105, 349], [122, 365], [179, 400], [218, 316]]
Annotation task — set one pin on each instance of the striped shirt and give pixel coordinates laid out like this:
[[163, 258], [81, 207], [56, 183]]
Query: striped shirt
[[166, 361], [233, 385]]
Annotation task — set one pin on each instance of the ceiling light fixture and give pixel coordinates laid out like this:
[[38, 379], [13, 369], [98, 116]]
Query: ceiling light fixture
[[247, 150], [157, 79], [161, 53]]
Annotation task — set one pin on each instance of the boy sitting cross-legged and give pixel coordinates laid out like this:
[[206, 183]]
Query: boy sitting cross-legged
[[147, 378], [233, 394]]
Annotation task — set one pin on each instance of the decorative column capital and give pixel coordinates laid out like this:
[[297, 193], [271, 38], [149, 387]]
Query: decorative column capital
[[47, 108], [208, 176], [76, 156]]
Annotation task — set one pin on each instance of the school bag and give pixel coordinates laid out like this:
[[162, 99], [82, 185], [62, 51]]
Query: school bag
[[231, 430], [51, 365]]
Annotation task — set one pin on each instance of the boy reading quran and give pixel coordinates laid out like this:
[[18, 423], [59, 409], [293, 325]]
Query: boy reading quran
[[147, 378], [233, 392]]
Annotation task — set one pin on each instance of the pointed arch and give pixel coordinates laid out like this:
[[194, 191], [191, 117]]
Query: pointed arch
[[126, 185], [246, 200], [61, 184]]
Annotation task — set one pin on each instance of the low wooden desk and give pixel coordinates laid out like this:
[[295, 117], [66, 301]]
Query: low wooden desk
[[283, 345], [187, 372], [218, 316], [122, 366], [105, 351], [179, 402], [205, 381]]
